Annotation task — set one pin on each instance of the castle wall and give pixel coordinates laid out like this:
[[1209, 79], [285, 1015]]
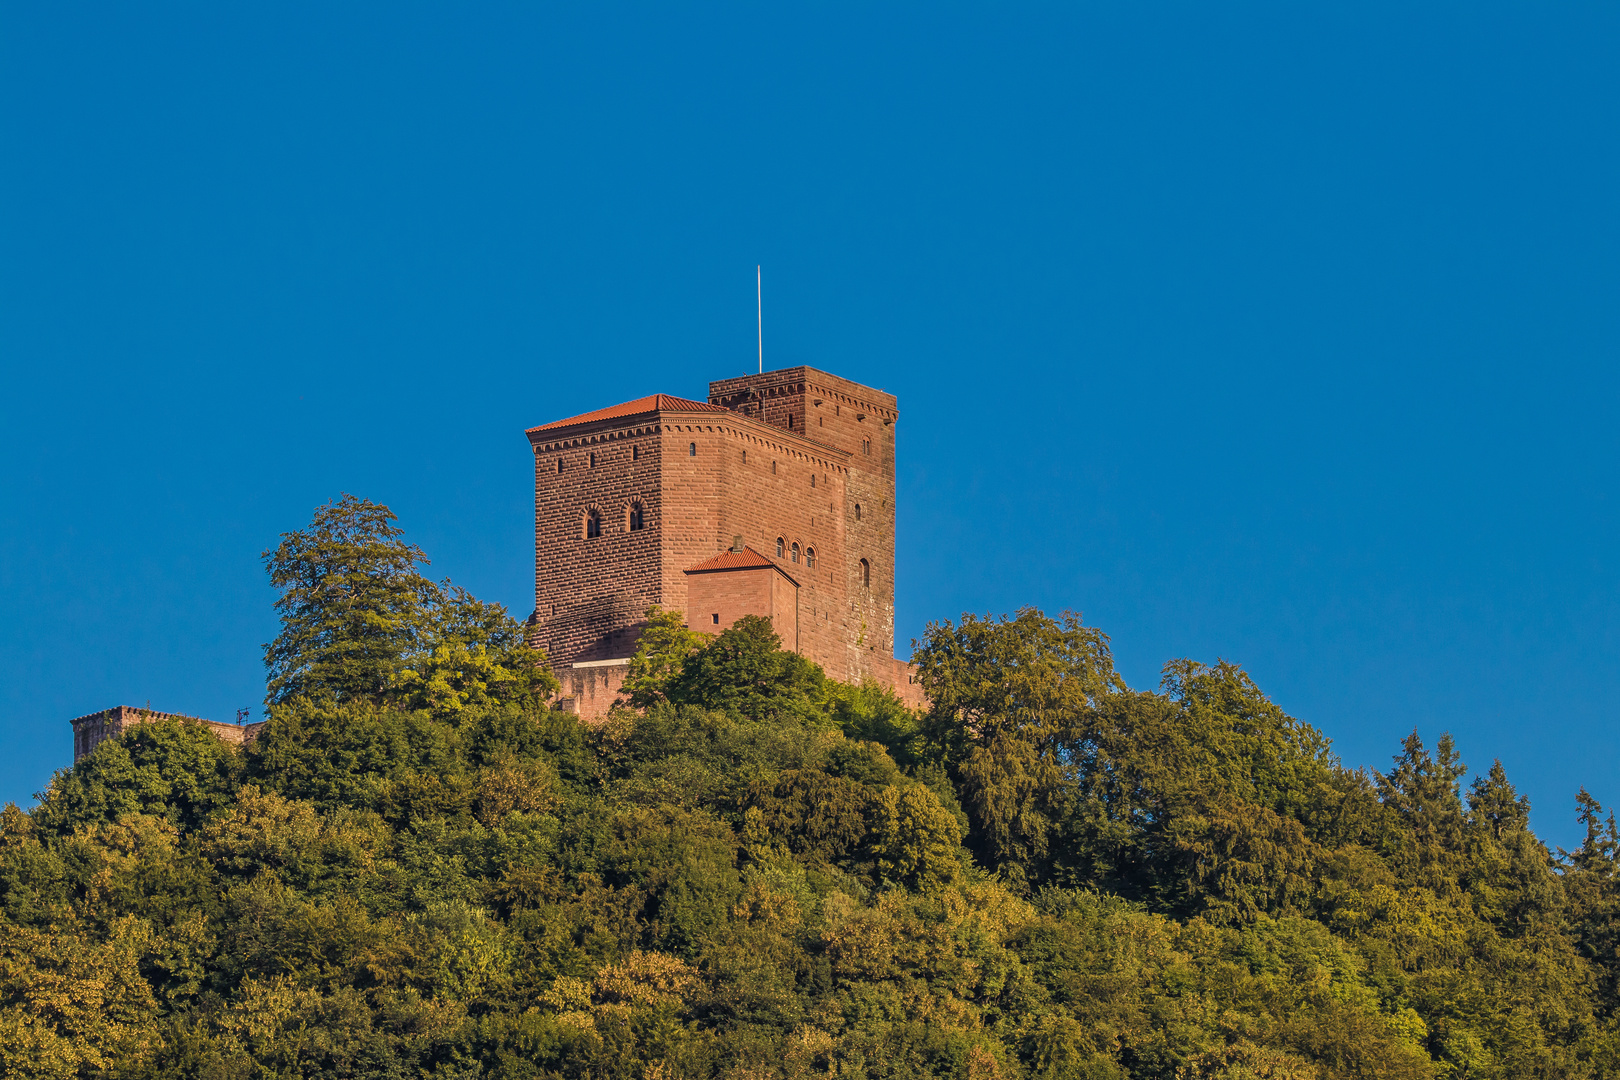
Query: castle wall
[[788, 491], [860, 422], [591, 594], [91, 731], [797, 457]]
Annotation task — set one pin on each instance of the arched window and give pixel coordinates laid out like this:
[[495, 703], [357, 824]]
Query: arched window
[[866, 574], [691, 449], [636, 518], [866, 447], [781, 547], [773, 468], [812, 479], [593, 524], [745, 457], [809, 558], [857, 511], [794, 556]]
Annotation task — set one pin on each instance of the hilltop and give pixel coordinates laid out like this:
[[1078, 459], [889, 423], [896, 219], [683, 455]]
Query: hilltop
[[750, 870]]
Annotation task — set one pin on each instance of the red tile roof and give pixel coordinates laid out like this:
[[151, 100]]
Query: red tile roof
[[650, 403], [746, 559]]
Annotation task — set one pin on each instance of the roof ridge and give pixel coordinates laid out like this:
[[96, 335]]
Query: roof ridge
[[634, 407], [738, 560]]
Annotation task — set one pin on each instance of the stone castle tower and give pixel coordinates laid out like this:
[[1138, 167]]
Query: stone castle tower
[[775, 497]]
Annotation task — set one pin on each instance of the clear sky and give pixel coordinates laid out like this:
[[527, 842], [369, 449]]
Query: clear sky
[[1251, 332]]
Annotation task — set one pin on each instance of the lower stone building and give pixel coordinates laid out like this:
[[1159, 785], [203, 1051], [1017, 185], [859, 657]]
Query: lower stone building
[[91, 731]]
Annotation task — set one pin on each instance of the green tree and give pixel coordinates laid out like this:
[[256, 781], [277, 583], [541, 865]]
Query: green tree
[[352, 604], [746, 672], [661, 652], [469, 654], [1591, 880], [169, 768], [1421, 791], [1010, 700]]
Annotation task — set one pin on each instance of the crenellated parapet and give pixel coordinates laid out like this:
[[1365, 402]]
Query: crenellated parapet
[[91, 731]]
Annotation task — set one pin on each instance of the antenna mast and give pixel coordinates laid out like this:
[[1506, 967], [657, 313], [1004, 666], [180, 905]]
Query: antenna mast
[[759, 299]]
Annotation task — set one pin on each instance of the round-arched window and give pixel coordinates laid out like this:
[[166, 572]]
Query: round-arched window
[[809, 558], [857, 511], [691, 449], [781, 548], [635, 518], [593, 524], [866, 574], [794, 556]]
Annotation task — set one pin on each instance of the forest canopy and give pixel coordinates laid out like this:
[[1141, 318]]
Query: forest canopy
[[421, 868]]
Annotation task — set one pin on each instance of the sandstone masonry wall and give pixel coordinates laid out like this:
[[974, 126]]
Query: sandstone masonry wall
[[797, 463], [91, 731]]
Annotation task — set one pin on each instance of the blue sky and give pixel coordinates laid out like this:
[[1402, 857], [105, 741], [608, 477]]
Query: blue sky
[[1275, 335]]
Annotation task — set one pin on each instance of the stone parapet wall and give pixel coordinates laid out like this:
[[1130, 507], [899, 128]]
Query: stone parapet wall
[[96, 728]]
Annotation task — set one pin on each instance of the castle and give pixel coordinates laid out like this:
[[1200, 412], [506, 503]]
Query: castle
[[775, 497]]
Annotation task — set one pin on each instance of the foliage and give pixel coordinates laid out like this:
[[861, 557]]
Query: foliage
[[352, 602], [759, 872], [661, 652], [359, 623]]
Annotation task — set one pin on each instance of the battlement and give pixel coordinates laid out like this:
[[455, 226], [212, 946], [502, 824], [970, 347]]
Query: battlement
[[91, 731]]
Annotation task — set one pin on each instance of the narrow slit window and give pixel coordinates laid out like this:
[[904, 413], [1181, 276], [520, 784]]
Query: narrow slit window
[[866, 574], [857, 511], [812, 479], [635, 453], [691, 449], [593, 459], [559, 465]]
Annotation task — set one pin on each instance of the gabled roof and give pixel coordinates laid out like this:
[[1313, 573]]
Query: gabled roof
[[746, 559], [650, 403]]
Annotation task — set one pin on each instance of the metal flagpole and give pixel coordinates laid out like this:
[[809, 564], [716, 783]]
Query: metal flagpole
[[759, 299]]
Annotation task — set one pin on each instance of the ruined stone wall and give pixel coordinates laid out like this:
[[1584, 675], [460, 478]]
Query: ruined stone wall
[[96, 728]]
